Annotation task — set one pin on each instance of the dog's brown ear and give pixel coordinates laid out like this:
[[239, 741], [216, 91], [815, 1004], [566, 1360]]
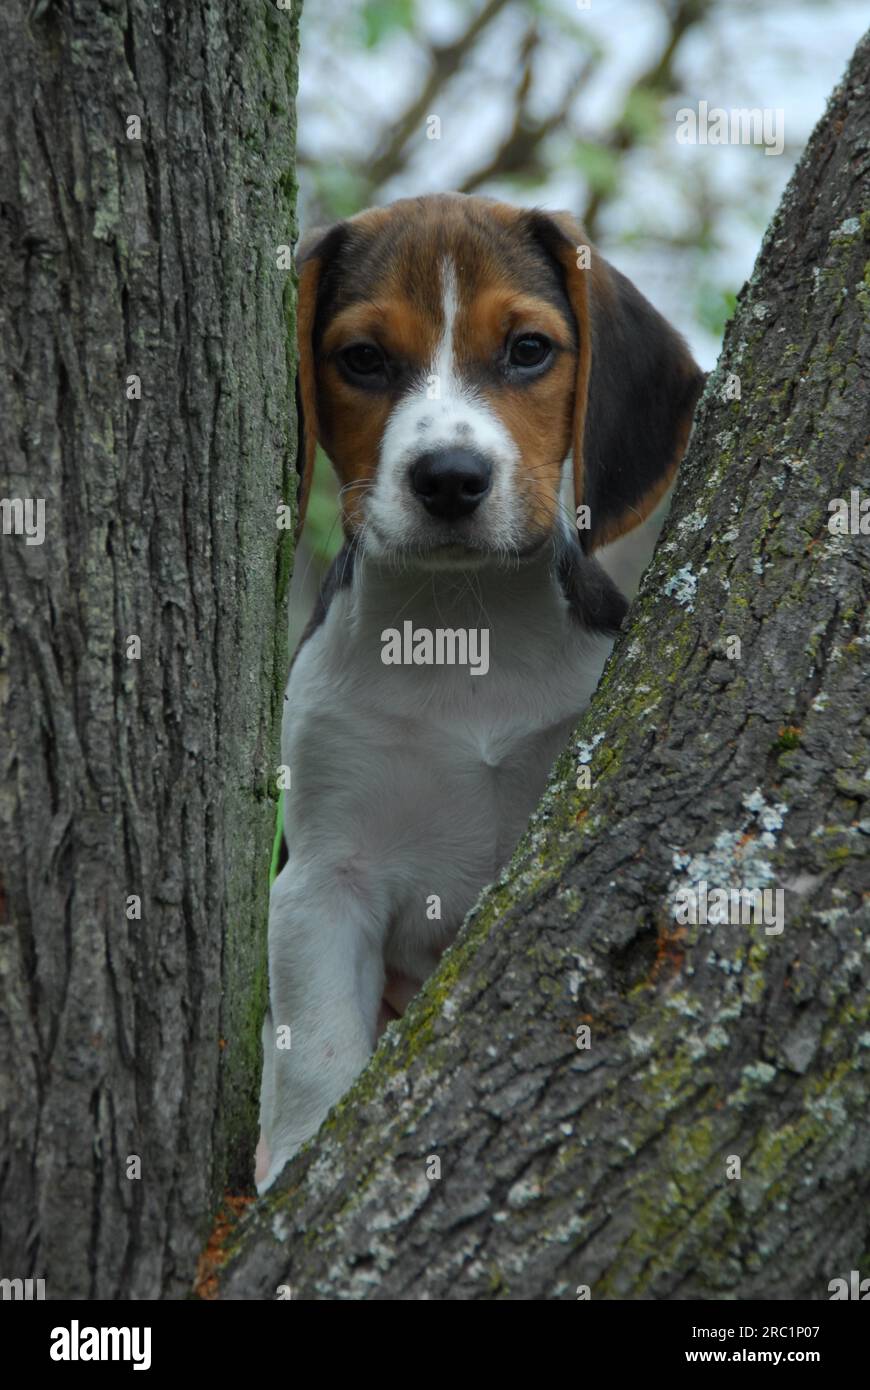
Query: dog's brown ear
[[636, 388], [313, 256]]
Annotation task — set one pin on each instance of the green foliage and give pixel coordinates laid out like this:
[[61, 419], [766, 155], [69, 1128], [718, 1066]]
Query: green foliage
[[599, 165], [342, 190], [714, 307], [323, 533], [788, 739], [382, 18], [276, 842], [642, 115]]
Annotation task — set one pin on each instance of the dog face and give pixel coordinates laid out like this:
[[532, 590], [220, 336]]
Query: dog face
[[453, 352]]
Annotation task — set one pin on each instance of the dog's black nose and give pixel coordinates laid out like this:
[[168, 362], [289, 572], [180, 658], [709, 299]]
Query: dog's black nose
[[451, 482]]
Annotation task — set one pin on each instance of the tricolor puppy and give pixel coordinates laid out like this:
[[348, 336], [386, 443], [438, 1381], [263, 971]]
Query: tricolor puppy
[[467, 369]]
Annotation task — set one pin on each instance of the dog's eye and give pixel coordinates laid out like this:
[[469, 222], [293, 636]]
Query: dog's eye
[[363, 359], [531, 350]]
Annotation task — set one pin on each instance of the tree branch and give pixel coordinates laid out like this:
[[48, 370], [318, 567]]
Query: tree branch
[[658, 81], [444, 62], [519, 150]]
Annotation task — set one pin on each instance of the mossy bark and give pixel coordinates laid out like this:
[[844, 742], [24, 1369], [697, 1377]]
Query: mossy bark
[[149, 253], [745, 765]]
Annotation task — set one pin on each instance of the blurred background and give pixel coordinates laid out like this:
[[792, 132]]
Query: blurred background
[[565, 104]]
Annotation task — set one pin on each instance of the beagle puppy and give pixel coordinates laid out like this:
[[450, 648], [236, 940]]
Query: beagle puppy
[[467, 366]]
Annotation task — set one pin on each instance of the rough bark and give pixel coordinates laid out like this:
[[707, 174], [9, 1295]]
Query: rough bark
[[155, 257], [606, 1167]]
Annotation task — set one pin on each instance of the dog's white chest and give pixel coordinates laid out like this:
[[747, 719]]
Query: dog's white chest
[[417, 780]]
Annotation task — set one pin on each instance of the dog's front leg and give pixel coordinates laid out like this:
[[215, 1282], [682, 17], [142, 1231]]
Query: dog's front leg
[[326, 977]]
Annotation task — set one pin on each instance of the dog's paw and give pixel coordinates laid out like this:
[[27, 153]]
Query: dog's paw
[[274, 1170], [273, 1159], [270, 1165], [262, 1162]]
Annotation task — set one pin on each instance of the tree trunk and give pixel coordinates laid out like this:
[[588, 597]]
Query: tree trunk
[[147, 253], [738, 764]]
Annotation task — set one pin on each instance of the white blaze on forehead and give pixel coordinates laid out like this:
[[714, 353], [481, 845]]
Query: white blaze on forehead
[[443, 368], [442, 411]]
